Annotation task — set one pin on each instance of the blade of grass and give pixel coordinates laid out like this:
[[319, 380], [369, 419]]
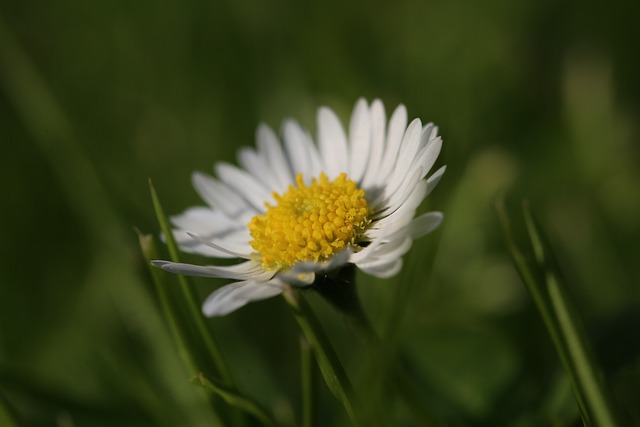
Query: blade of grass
[[332, 371], [309, 383], [150, 252], [211, 359], [543, 280], [8, 416], [188, 293], [178, 331], [235, 399], [341, 292], [584, 367]]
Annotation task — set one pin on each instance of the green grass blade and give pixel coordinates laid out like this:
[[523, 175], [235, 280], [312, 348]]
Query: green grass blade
[[196, 318], [587, 378], [332, 371], [309, 384], [171, 311], [7, 414], [539, 272], [203, 350], [150, 252], [235, 399]]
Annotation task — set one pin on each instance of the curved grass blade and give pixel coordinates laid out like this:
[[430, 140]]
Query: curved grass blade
[[309, 384], [235, 399], [150, 252], [332, 371], [390, 371], [8, 416], [188, 295], [541, 275], [203, 352]]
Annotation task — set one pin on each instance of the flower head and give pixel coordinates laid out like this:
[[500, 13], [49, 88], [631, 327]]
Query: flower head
[[296, 209]]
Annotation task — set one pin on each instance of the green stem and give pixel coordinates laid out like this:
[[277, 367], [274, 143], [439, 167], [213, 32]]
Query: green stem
[[558, 312], [235, 399], [188, 293], [588, 384], [341, 291], [8, 416], [328, 362], [150, 252], [309, 384]]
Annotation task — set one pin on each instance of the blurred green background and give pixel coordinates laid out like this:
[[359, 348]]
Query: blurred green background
[[539, 99]]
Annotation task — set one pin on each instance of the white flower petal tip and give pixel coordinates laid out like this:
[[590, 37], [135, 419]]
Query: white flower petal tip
[[231, 297], [381, 165], [299, 280], [425, 224], [159, 263], [218, 247], [336, 261]]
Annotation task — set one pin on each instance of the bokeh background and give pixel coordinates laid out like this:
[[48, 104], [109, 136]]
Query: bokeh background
[[535, 99]]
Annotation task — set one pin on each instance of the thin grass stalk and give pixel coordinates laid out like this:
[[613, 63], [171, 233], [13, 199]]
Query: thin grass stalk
[[309, 384], [188, 293], [559, 314], [332, 371]]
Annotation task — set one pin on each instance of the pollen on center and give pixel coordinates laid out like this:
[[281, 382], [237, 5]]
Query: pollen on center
[[310, 222]]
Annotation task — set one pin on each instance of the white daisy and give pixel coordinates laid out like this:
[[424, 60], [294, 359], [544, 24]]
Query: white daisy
[[296, 209]]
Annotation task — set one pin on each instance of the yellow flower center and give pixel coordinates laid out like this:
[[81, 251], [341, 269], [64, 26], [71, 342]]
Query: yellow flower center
[[310, 223]]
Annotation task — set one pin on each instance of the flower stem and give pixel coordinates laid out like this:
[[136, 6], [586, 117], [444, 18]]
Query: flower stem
[[341, 291], [326, 357], [309, 384]]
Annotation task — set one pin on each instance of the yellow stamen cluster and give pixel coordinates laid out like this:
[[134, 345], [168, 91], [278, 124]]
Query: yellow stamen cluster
[[310, 223]]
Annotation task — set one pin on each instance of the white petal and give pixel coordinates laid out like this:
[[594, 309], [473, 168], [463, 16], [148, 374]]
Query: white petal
[[378, 125], [408, 199], [244, 271], [429, 154], [258, 166], [334, 262], [214, 245], [271, 148], [297, 279], [187, 244], [408, 150], [332, 142], [213, 224], [249, 159], [395, 240], [203, 220], [424, 224], [244, 184], [359, 140], [303, 155], [434, 179], [219, 195], [405, 204], [231, 297], [382, 269], [391, 197], [397, 127], [393, 247]]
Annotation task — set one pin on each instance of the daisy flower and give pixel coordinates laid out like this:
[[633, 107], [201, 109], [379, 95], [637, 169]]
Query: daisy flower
[[295, 209]]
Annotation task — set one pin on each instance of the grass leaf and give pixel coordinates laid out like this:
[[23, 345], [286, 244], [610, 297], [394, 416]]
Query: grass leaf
[[235, 399], [332, 371], [213, 355], [7, 414], [540, 272], [309, 383]]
